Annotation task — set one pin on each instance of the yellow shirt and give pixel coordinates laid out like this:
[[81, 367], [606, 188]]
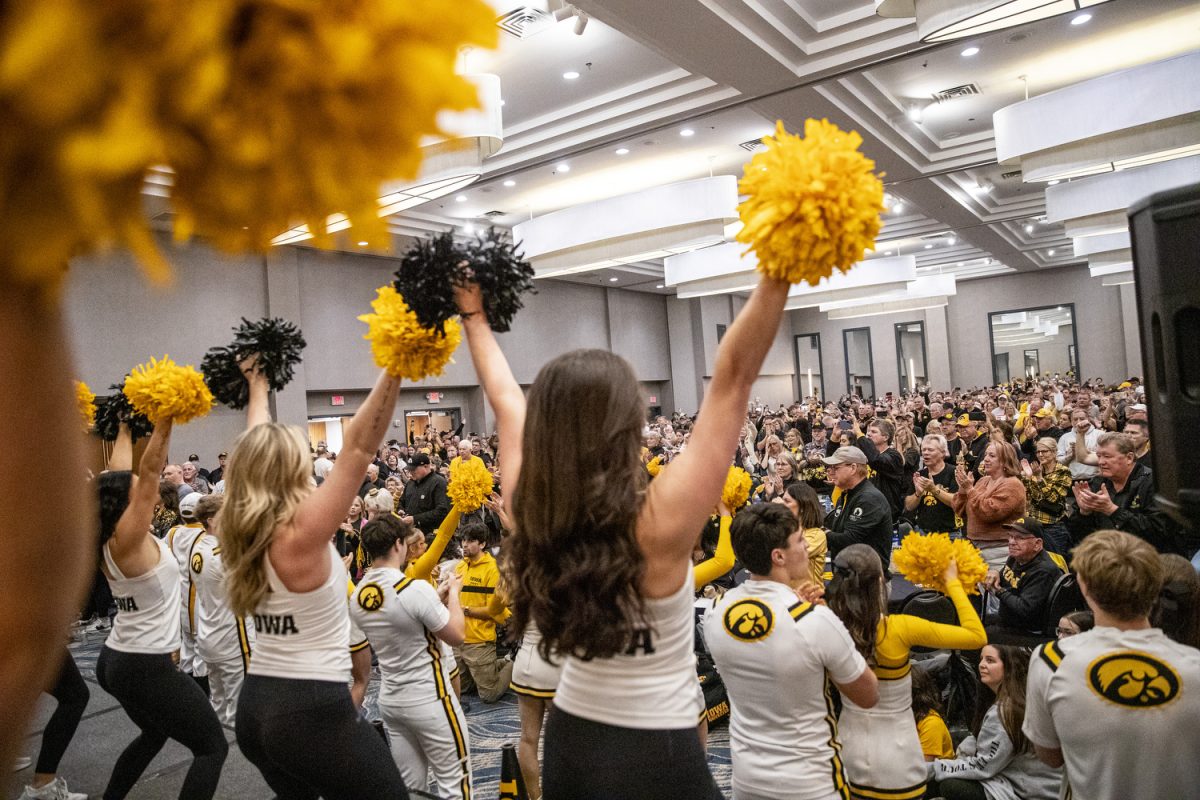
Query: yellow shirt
[[900, 632], [935, 736], [478, 591], [818, 546]]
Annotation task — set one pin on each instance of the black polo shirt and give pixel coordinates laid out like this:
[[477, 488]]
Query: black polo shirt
[[1025, 592]]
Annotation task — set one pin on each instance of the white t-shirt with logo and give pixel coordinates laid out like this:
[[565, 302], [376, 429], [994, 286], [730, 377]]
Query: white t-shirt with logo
[[1124, 708], [776, 654]]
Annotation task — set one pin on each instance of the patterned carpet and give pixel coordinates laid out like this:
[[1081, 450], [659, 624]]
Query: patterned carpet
[[491, 726]]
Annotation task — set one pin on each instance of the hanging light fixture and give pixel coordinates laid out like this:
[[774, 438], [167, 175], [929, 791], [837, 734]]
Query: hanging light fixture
[[946, 20]]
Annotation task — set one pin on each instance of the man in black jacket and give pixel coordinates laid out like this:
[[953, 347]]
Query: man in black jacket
[[885, 462], [1022, 585], [862, 514], [1121, 497], [424, 501]]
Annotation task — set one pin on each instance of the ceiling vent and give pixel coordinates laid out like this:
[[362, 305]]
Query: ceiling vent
[[955, 92], [753, 146], [524, 21], [493, 214], [1016, 173]]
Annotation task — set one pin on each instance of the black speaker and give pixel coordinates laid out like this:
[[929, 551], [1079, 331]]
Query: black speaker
[[1165, 233]]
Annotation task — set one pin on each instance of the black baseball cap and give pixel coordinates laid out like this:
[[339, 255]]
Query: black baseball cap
[[419, 460], [977, 416], [1026, 526]]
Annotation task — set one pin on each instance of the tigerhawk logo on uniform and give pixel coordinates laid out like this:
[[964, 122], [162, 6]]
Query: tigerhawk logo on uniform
[[370, 597], [279, 624], [1133, 679], [749, 620], [197, 563]]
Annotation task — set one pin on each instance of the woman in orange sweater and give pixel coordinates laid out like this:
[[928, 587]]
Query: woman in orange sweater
[[992, 501]]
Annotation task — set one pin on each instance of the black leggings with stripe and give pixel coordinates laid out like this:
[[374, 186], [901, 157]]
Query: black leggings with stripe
[[72, 695], [309, 741], [588, 760]]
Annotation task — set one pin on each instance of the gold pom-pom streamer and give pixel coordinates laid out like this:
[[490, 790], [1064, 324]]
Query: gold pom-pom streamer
[[470, 484], [654, 466], [812, 204], [87, 404], [922, 559], [400, 345], [736, 492], [164, 390]]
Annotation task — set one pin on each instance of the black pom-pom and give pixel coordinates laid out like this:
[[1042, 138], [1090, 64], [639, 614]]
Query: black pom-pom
[[426, 278], [431, 269], [503, 276], [115, 409], [278, 344]]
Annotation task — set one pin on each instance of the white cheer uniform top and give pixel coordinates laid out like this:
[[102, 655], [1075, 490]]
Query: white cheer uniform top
[[147, 606], [653, 684], [400, 616], [182, 540], [303, 635], [220, 636]]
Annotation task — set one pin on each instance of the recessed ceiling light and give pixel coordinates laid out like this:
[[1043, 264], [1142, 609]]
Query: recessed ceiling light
[[1029, 228], [570, 76], [928, 247], [1053, 182], [1080, 19], [888, 253], [898, 208], [501, 102], [962, 263], [970, 51], [462, 198], [1050, 252], [510, 183], [622, 151], [468, 229], [613, 280], [951, 239], [563, 168], [687, 132], [362, 244], [660, 286]]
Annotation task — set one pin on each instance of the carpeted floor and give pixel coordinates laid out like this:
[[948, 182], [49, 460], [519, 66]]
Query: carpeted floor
[[106, 730]]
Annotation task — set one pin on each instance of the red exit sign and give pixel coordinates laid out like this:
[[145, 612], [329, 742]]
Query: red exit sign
[[653, 399], [337, 400]]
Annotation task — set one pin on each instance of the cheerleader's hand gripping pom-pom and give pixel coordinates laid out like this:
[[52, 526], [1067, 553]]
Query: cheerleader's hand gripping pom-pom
[[812, 204], [278, 345], [401, 345], [503, 276], [470, 484], [161, 389], [87, 404], [115, 410], [923, 559], [736, 492]]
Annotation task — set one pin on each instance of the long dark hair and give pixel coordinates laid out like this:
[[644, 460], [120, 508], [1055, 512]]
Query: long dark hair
[[926, 694], [856, 595], [1010, 696], [573, 564], [1177, 610], [808, 504], [168, 496], [113, 491]]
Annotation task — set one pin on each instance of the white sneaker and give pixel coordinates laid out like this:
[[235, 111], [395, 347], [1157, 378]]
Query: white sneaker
[[55, 790], [22, 762]]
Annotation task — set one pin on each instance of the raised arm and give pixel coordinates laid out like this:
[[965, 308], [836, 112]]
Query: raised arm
[[133, 529], [710, 569], [122, 450], [422, 568], [680, 499], [258, 408], [501, 388], [322, 511]]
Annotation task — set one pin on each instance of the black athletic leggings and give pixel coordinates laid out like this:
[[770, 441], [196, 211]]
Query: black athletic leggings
[[72, 695], [957, 789], [165, 704], [587, 760], [309, 741]]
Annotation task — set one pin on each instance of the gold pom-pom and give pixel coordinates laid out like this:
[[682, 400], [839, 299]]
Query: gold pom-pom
[[812, 204], [164, 390], [470, 484], [87, 404], [654, 466], [399, 343], [736, 492], [922, 559]]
